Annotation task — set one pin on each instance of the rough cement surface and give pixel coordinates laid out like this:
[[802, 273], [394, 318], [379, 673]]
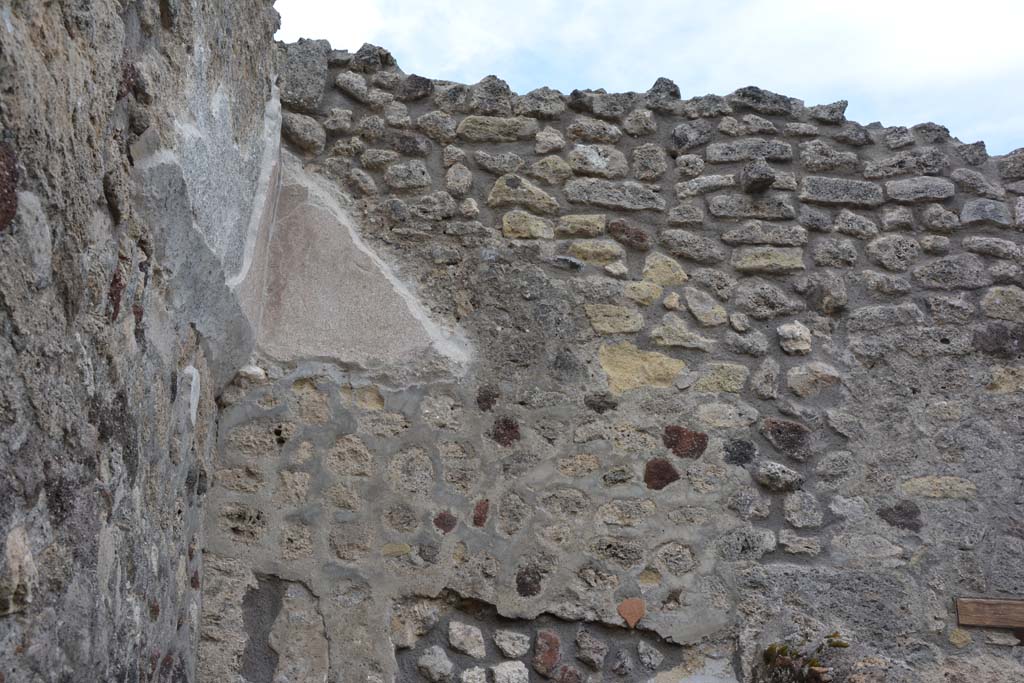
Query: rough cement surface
[[742, 371], [120, 120]]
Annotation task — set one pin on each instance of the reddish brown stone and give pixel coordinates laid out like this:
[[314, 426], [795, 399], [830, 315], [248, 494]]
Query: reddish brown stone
[[505, 431], [445, 521], [684, 442], [659, 473], [632, 610], [480, 511], [791, 438], [629, 235], [8, 186], [569, 674], [547, 651]]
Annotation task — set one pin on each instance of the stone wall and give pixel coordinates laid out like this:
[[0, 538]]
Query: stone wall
[[134, 138], [726, 371]]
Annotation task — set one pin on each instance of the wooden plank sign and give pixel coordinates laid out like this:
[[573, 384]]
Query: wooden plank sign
[[989, 612]]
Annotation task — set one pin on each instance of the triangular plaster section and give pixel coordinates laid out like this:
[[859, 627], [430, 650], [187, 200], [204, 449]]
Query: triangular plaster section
[[330, 297]]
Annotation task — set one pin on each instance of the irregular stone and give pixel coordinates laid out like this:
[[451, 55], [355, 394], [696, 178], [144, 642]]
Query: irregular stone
[[303, 74], [604, 161], [772, 206], [581, 225], [685, 443], [794, 338], [640, 122], [800, 129], [939, 487], [649, 162], [686, 136], [496, 129], [467, 639], [458, 180], [541, 103], [498, 164], [704, 308], [632, 610], [794, 544], [1011, 166], [834, 252], [938, 219], [745, 544], [824, 190], [920, 189], [849, 223], [757, 176], [650, 658], [547, 652], [974, 182], [510, 672], [773, 260], [748, 150], [474, 674], [628, 195], [511, 190], [753, 343], [764, 101], [511, 644], [703, 184], [600, 252], [789, 437], [408, 175], [673, 331], [659, 473], [802, 511], [1004, 303], [873, 318], [981, 211], [610, 319], [587, 129], [304, 132], [812, 378], [686, 213], [627, 367], [590, 650], [756, 232], [834, 113], [551, 169], [687, 245], [722, 377], [518, 224], [765, 381], [852, 134], [897, 218], [490, 97], [776, 476], [960, 271], [893, 252], [926, 161], [689, 165], [762, 301], [818, 156], [663, 270], [548, 140], [435, 666]]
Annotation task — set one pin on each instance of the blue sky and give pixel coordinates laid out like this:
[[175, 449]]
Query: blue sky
[[900, 62]]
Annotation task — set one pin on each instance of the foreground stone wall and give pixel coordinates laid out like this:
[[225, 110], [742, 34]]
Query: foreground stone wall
[[134, 136], [737, 370]]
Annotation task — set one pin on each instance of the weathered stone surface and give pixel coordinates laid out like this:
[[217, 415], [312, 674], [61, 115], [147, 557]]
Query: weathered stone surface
[[304, 132], [756, 232], [603, 161], [628, 195], [822, 190], [961, 271], [766, 207], [609, 319], [693, 247], [920, 189], [518, 224], [774, 260], [1004, 303], [304, 74], [749, 149], [513, 190], [627, 367], [893, 252], [673, 331], [496, 128], [663, 270], [981, 211]]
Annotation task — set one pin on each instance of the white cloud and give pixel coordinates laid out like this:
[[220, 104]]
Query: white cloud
[[899, 61]]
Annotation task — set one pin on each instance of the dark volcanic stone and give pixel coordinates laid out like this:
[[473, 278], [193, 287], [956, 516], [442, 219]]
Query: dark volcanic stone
[[480, 511], [629, 235], [659, 473], [445, 521], [903, 515], [414, 88], [8, 183], [739, 452], [684, 442], [528, 581], [600, 403], [486, 397], [505, 431]]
